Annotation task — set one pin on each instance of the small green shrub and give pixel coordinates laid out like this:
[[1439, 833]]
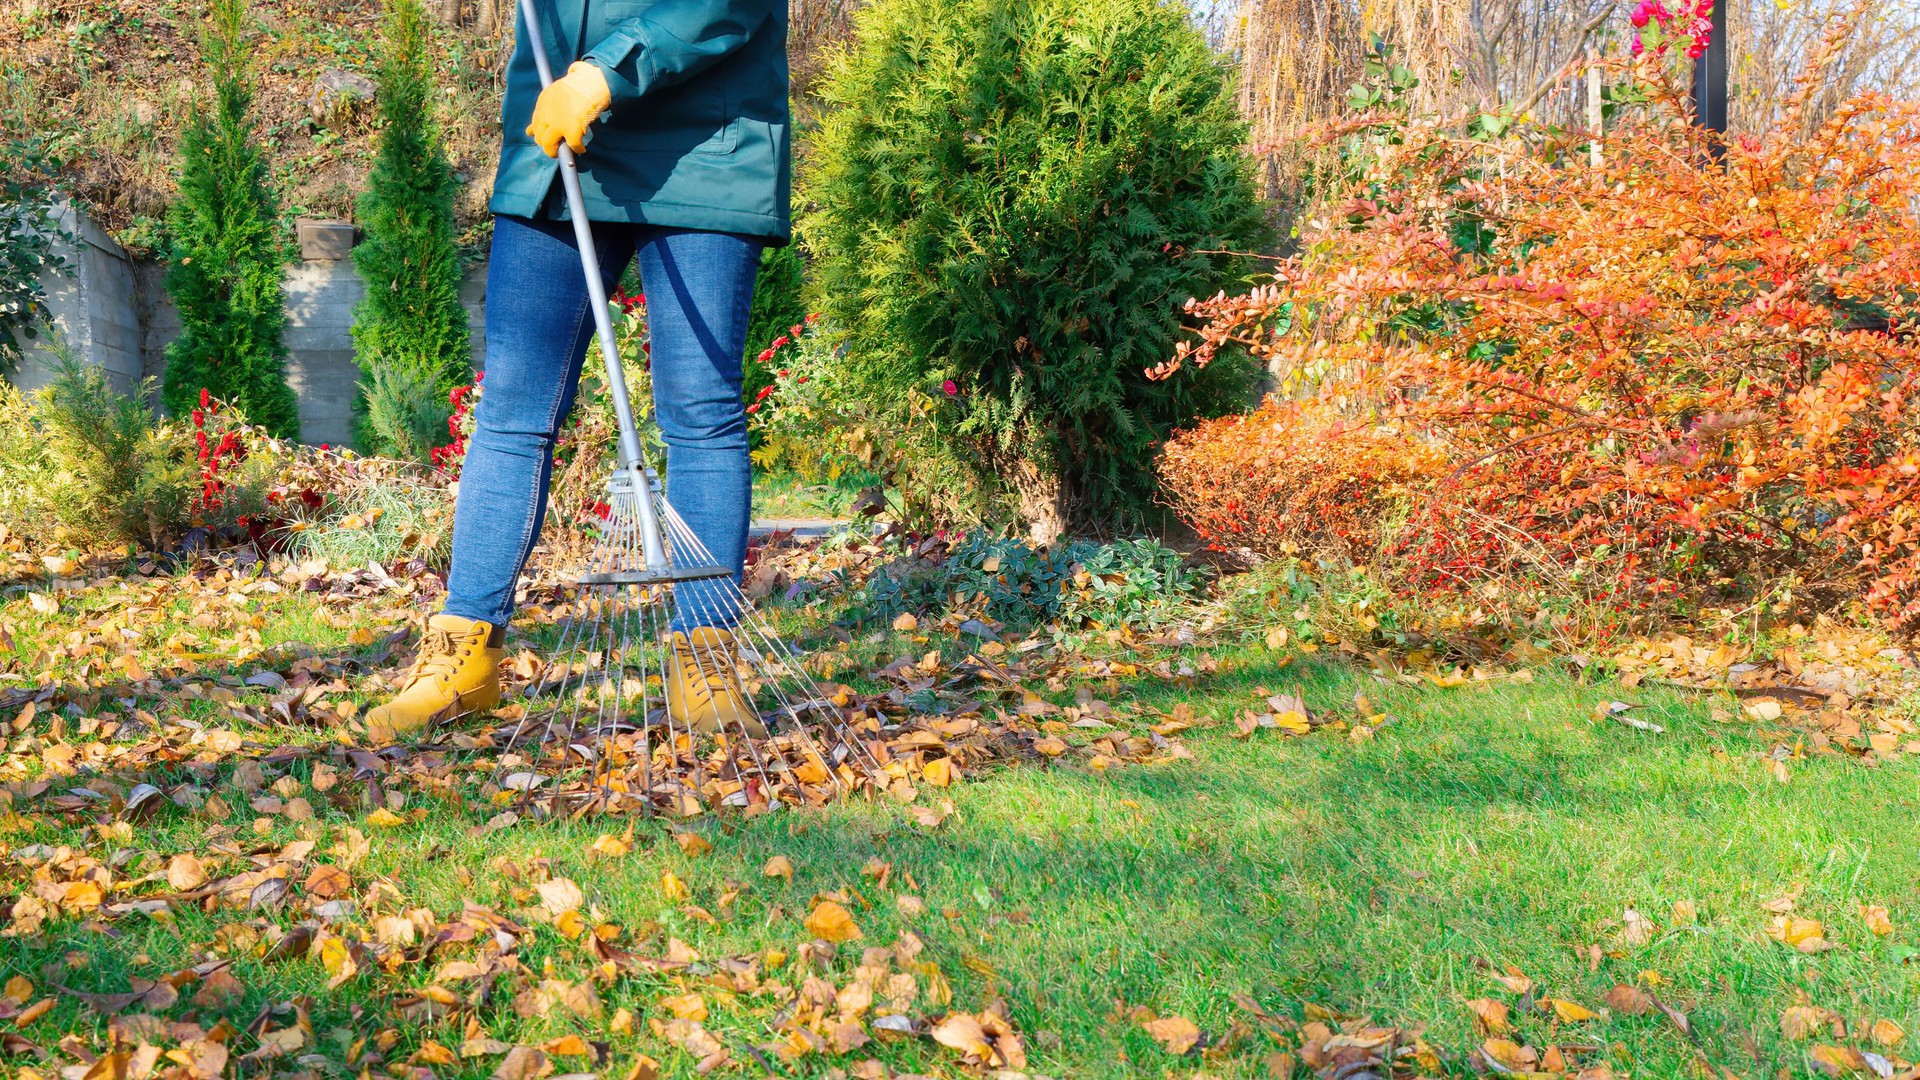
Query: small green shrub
[[1132, 584], [1012, 198], [229, 252], [81, 464], [406, 412], [411, 329], [28, 232]]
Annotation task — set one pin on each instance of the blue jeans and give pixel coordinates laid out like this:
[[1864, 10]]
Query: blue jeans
[[699, 287]]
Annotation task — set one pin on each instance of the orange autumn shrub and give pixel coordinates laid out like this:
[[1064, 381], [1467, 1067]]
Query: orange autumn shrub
[[1293, 476], [1686, 377]]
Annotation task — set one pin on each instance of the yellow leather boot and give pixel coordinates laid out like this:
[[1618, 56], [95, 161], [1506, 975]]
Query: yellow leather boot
[[456, 672], [703, 685]]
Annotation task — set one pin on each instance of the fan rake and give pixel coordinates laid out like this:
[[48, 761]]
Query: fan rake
[[595, 733]]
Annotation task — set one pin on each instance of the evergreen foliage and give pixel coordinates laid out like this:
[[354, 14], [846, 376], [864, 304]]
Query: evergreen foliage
[[411, 321], [82, 464], [229, 251], [1017, 196]]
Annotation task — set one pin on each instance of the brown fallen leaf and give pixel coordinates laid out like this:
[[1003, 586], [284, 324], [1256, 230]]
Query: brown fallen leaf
[[1888, 1034], [560, 896], [1837, 1061], [186, 872], [1802, 1021], [692, 844], [523, 1063], [1876, 919], [1175, 1034], [778, 867], [1629, 1000]]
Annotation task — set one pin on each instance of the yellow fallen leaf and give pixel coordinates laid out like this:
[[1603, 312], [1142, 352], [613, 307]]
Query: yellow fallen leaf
[[831, 922], [45, 1005], [686, 1006], [19, 989], [1806, 935], [608, 846], [671, 884], [1571, 1012], [778, 867], [1050, 746], [692, 843], [938, 771], [385, 818], [1888, 1034]]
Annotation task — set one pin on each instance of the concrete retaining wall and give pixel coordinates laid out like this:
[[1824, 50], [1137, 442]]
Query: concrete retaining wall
[[114, 312]]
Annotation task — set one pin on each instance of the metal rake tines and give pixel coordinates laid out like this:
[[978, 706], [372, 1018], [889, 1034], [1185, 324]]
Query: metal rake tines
[[595, 733]]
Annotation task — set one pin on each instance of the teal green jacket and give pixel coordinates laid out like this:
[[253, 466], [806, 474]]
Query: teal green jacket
[[697, 137]]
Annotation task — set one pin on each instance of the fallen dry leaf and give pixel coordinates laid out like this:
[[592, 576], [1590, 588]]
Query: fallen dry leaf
[[1876, 919], [1490, 1016], [778, 867], [1806, 935], [831, 922], [1175, 1034]]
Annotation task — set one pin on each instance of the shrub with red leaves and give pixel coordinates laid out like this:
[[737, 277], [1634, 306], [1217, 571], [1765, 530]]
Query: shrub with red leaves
[[1667, 378]]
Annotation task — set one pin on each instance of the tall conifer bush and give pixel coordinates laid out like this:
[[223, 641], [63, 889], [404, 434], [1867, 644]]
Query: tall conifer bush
[[411, 326], [229, 251], [1014, 198]]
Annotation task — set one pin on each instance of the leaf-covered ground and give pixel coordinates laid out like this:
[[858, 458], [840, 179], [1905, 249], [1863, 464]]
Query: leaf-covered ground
[[1308, 867]]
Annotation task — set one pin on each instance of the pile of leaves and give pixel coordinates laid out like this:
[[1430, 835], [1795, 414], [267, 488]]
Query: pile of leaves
[[1656, 384]]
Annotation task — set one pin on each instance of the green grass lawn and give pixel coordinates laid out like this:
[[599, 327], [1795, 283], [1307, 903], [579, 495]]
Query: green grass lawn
[[1489, 827]]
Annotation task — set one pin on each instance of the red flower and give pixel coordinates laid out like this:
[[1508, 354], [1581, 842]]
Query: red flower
[[796, 329], [754, 408], [205, 397], [764, 391], [950, 388], [765, 355]]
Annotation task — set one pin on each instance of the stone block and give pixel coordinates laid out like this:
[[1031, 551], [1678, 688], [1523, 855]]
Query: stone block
[[325, 240]]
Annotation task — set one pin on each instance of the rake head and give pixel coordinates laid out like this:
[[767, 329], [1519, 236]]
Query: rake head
[[666, 691]]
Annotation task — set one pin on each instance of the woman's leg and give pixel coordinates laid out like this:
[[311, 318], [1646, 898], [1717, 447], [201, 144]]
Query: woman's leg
[[538, 330], [699, 288]]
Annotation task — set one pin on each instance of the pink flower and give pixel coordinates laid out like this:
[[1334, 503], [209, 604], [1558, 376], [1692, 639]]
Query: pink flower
[[781, 341], [950, 388], [796, 329]]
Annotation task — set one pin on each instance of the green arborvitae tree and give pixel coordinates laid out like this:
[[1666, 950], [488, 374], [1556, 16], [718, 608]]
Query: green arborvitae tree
[[1017, 196], [229, 251], [411, 321]]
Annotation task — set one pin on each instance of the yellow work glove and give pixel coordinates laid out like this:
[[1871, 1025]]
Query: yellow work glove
[[566, 107]]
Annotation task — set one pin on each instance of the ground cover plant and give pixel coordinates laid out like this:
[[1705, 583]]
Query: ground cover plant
[[1314, 863]]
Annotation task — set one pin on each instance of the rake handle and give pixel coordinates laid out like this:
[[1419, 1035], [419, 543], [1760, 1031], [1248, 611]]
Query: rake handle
[[634, 464]]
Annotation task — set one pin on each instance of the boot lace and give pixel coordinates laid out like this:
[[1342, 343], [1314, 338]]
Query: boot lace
[[439, 656], [712, 663]]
